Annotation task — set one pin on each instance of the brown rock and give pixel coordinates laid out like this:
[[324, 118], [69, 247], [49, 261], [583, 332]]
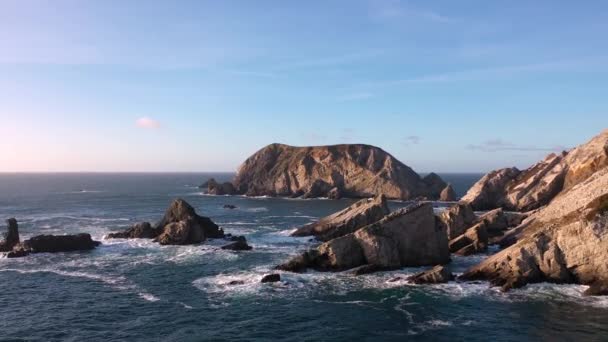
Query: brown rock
[[360, 214], [489, 192], [448, 194], [194, 228], [565, 242], [474, 240], [457, 218], [353, 170], [436, 275], [407, 237]]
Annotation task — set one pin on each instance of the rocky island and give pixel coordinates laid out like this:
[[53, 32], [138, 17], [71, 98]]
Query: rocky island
[[350, 170]]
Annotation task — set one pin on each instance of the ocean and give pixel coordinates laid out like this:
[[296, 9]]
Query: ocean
[[136, 290]]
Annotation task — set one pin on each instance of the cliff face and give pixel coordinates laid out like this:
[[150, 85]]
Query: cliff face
[[565, 241], [536, 186], [323, 171]]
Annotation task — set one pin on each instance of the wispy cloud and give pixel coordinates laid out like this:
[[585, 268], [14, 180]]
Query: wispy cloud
[[411, 140], [400, 10], [313, 137], [499, 145], [147, 123]]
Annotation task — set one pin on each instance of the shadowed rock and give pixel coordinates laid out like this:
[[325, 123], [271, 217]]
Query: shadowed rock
[[141, 230], [331, 171], [436, 275], [58, 243], [239, 244], [271, 278], [360, 214], [11, 238], [474, 240]]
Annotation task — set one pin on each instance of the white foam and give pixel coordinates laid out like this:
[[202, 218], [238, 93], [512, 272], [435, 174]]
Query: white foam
[[149, 297]]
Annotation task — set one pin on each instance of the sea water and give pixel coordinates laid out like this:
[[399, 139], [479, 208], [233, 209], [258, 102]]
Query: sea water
[[137, 290]]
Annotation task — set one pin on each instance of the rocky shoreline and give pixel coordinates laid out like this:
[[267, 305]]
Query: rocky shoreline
[[551, 221]]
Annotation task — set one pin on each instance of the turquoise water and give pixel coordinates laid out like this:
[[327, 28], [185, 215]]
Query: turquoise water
[[139, 291]]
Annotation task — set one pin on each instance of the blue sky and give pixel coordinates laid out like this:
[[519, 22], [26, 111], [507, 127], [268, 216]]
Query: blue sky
[[449, 86]]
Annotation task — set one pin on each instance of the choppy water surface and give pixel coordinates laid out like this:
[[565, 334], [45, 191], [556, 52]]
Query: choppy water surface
[[138, 290]]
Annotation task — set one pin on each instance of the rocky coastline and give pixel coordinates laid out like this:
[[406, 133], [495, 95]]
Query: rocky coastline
[[550, 220]]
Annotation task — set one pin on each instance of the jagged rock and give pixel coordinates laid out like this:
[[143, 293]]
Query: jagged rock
[[489, 192], [436, 275], [180, 225], [215, 188], [141, 230], [57, 243], [360, 214], [407, 237], [353, 170], [271, 278], [18, 253], [229, 206], [538, 185], [448, 194], [457, 218], [474, 240], [11, 238], [564, 242], [239, 244]]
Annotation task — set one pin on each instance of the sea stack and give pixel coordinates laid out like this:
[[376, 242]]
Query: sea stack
[[352, 170]]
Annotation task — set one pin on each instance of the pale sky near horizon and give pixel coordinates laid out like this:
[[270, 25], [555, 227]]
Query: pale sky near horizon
[[445, 86]]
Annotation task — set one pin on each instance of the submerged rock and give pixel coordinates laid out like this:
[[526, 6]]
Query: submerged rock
[[331, 171], [360, 214], [11, 238], [271, 278], [229, 206], [436, 275], [407, 237], [239, 244]]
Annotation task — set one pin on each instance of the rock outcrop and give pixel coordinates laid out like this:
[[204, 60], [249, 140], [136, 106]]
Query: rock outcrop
[[141, 230], [457, 219], [564, 242], [474, 240], [215, 188], [448, 194], [332, 171], [57, 243], [536, 186], [436, 275], [271, 278], [358, 215], [239, 244], [180, 225], [407, 237], [11, 238]]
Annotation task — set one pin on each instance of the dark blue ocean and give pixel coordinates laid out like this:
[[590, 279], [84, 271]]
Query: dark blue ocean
[[136, 290]]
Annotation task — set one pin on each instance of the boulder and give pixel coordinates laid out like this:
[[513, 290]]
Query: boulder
[[448, 194], [350, 170], [57, 243], [436, 275], [239, 244], [564, 242], [271, 278], [406, 238], [457, 218], [11, 238], [141, 230], [360, 214], [474, 240]]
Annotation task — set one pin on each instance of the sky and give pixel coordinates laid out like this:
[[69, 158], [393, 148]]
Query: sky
[[161, 86]]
